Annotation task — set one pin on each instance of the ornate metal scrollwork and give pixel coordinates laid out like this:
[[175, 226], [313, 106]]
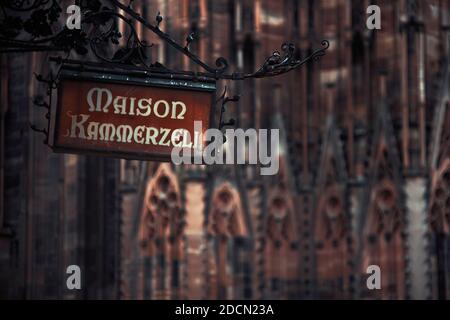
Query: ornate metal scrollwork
[[37, 20], [39, 101], [279, 63], [135, 51], [223, 100]]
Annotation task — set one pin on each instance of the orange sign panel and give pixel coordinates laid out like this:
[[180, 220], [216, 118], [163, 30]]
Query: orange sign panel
[[137, 119]]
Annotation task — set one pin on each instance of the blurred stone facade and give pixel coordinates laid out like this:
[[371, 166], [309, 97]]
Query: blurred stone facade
[[364, 168]]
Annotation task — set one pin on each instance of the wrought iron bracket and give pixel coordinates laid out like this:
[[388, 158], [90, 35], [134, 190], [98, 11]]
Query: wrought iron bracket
[[223, 100], [102, 21], [39, 101], [38, 20], [43, 131]]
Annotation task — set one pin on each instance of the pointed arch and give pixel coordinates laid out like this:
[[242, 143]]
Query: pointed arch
[[333, 248], [383, 231], [280, 248], [161, 233], [332, 227], [279, 252], [226, 224], [226, 216]]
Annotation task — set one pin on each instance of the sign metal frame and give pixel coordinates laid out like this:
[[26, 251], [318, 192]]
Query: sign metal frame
[[124, 77]]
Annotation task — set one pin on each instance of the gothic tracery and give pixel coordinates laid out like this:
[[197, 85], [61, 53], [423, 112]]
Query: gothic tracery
[[161, 231]]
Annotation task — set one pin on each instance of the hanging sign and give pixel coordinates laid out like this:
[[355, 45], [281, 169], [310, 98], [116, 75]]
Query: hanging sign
[[129, 116]]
